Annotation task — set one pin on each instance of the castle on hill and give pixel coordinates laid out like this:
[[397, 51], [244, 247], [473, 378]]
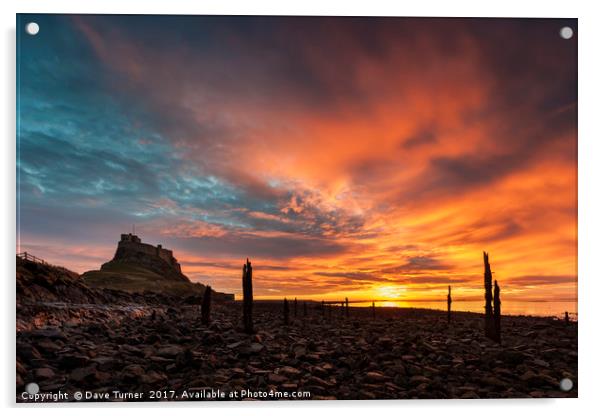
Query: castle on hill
[[132, 242], [132, 250]]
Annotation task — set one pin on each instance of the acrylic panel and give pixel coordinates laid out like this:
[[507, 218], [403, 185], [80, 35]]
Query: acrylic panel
[[295, 208]]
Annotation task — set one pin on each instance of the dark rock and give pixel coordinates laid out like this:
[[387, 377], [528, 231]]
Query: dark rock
[[70, 361], [537, 380], [470, 395], [84, 373], [511, 357], [169, 351], [276, 378], [418, 379], [48, 333], [132, 372], [44, 373], [375, 377]]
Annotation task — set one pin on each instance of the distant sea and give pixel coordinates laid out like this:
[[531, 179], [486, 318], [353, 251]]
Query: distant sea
[[509, 307]]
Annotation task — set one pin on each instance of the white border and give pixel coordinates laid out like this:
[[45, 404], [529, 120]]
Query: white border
[[590, 207]]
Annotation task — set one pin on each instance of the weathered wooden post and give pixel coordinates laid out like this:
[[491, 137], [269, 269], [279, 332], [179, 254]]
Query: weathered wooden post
[[489, 325], [449, 302], [497, 314], [295, 308], [247, 297], [285, 312], [566, 318], [206, 306]]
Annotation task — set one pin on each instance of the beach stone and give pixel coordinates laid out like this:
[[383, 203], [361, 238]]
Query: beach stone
[[418, 379], [536, 380], [316, 381], [132, 372], [470, 395], [276, 378], [44, 373], [375, 377], [289, 371], [152, 377], [511, 357], [169, 351], [70, 361], [84, 373], [256, 347]]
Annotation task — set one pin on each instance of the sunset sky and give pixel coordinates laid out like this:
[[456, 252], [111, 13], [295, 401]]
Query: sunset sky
[[368, 158]]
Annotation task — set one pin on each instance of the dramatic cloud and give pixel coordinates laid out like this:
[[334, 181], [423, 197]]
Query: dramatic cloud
[[345, 156]]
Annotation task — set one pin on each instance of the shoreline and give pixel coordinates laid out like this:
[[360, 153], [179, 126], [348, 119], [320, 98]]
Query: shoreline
[[354, 304]]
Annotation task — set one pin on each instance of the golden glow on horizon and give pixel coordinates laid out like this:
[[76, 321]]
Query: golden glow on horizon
[[391, 292]]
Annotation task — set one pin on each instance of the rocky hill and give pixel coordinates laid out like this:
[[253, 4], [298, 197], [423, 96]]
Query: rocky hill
[[136, 277], [137, 267], [38, 282], [51, 295]]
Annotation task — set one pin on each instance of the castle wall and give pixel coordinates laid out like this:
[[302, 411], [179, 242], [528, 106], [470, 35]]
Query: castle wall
[[166, 255], [132, 243]]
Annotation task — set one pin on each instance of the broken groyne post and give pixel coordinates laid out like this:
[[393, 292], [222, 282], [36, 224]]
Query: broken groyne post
[[497, 314], [566, 318], [449, 302], [247, 297], [206, 306], [285, 312], [489, 325]]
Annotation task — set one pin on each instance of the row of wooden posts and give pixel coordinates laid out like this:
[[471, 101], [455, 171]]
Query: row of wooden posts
[[492, 303], [324, 308]]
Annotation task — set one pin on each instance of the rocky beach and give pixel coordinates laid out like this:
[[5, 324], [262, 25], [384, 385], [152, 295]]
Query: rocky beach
[[148, 346]]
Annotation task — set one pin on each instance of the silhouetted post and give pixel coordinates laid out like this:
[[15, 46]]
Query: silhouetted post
[[489, 325], [206, 306], [373, 311], [304, 308], [285, 312], [449, 302], [295, 308], [347, 307], [566, 318], [247, 297], [497, 313]]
